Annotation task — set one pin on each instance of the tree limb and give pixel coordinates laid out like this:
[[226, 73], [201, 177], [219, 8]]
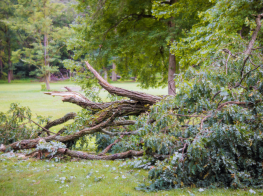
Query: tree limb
[[110, 146], [83, 155], [138, 96], [59, 121], [254, 35]]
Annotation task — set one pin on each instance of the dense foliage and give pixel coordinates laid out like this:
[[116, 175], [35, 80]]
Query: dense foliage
[[16, 124], [210, 133], [33, 37], [213, 126], [134, 36]]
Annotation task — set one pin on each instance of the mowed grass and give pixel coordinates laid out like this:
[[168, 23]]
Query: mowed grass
[[45, 177], [29, 94]]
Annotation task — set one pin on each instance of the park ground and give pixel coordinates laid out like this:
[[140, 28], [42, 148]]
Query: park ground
[[48, 177]]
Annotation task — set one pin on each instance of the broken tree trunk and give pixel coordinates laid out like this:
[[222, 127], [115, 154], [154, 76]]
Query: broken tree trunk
[[104, 115]]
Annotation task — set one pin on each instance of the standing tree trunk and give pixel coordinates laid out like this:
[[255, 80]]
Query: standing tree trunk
[[47, 75], [11, 72], [105, 73], [114, 75], [9, 62], [47, 82], [172, 63]]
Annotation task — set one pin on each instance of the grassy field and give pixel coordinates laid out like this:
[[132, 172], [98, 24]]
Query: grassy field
[[47, 177], [29, 94]]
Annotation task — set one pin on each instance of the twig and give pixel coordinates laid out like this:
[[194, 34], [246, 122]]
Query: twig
[[252, 41], [254, 35], [110, 146], [217, 93], [38, 124], [238, 84]]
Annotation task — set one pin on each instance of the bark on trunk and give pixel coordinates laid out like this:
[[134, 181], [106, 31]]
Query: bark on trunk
[[105, 73], [114, 75], [172, 62], [9, 61], [45, 48], [47, 82], [11, 73], [47, 75], [9, 76]]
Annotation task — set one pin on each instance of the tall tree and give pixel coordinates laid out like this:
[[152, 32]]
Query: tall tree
[[135, 34], [8, 38], [38, 18]]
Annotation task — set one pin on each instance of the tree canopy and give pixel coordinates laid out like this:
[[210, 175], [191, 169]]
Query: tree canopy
[[135, 36]]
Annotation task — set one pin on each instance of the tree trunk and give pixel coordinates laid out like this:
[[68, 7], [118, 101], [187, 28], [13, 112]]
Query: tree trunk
[[47, 75], [47, 82], [105, 73], [9, 76], [171, 72], [9, 61], [114, 75], [11, 73], [1, 67], [172, 61]]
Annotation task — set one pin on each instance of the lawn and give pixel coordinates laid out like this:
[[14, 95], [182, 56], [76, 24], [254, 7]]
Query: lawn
[[30, 94], [47, 177]]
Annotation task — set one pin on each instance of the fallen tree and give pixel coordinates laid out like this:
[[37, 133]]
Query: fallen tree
[[210, 133], [104, 115]]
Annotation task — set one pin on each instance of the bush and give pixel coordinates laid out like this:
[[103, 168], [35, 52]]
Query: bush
[[43, 87], [16, 124]]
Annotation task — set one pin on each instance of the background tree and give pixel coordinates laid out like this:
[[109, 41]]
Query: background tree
[[134, 35], [8, 38], [42, 21], [228, 24]]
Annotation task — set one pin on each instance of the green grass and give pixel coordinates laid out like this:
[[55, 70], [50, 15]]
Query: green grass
[[30, 94], [22, 80], [34, 177]]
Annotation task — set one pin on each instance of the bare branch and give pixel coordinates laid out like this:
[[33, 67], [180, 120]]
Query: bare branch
[[44, 129], [254, 35], [252, 41], [110, 146], [62, 120], [82, 155], [138, 96], [244, 76]]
